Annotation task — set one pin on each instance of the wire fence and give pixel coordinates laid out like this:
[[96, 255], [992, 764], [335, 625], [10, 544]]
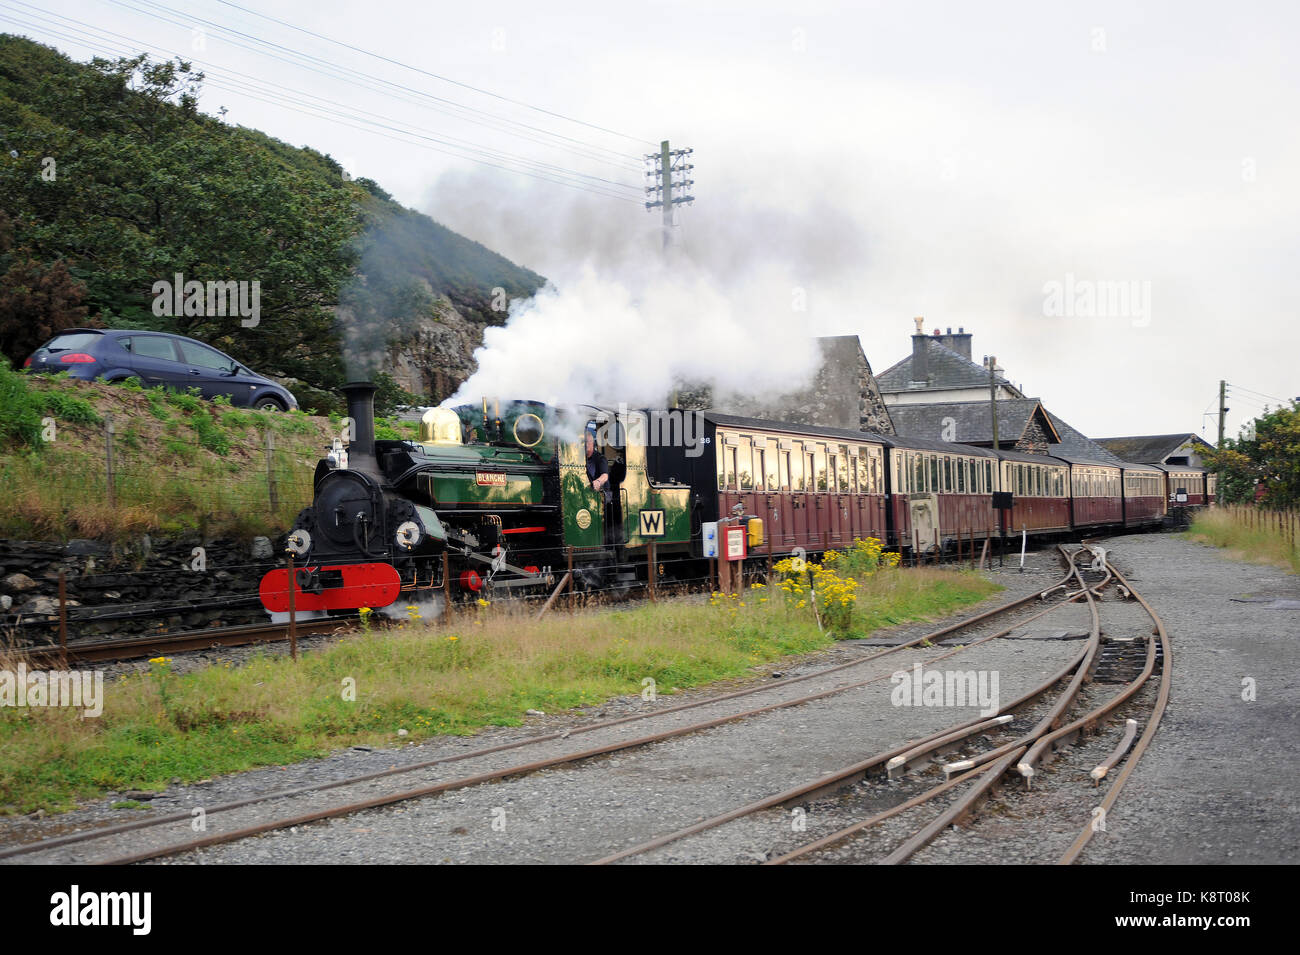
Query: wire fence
[[125, 480]]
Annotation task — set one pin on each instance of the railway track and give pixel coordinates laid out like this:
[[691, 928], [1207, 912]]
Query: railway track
[[129, 648], [965, 784], [167, 835]]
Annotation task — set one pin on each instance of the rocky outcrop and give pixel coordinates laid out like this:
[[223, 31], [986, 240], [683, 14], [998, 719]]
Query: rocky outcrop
[[437, 353]]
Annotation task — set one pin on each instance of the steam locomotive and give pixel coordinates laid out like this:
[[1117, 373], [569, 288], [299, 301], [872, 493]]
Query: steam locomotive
[[495, 500]]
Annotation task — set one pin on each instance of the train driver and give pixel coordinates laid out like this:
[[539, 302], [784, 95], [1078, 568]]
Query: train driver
[[597, 466]]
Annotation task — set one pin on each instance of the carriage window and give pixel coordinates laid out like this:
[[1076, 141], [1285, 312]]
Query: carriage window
[[819, 463], [722, 466], [842, 471], [961, 476], [784, 462], [796, 468], [745, 457], [831, 471], [770, 466], [731, 467], [918, 473], [863, 466]]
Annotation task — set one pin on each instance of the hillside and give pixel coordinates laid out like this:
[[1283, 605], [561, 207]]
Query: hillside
[[112, 180], [179, 464]]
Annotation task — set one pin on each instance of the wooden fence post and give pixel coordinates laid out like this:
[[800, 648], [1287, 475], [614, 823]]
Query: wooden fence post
[[108, 457], [270, 470], [293, 613], [650, 569]]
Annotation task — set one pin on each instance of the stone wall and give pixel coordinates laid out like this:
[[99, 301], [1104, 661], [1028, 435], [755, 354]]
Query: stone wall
[[1035, 439], [844, 393], [106, 583]]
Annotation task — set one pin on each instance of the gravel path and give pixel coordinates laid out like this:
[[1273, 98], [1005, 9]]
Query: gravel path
[[1218, 784]]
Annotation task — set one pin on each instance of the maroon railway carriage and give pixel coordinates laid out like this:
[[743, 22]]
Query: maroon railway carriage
[[1144, 495], [815, 488], [939, 493], [1192, 480], [1096, 493], [1040, 492]]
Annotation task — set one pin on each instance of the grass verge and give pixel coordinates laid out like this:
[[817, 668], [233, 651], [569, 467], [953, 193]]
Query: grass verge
[[1232, 530], [487, 668], [180, 463]]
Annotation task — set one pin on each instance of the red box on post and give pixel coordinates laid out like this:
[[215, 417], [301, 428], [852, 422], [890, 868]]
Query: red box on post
[[733, 542]]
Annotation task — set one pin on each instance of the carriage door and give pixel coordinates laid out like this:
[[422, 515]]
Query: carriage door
[[785, 499], [841, 494]]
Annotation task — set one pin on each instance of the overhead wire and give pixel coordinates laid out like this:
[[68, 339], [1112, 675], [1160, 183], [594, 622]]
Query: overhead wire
[[543, 171], [291, 56], [437, 76]]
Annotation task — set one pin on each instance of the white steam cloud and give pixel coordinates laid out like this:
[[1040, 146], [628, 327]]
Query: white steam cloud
[[734, 304], [633, 337]]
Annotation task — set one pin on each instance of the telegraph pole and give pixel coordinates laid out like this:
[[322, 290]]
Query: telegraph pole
[[993, 399], [1223, 410], [1223, 391], [665, 165]]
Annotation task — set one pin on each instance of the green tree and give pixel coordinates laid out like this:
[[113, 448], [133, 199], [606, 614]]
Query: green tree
[[36, 301], [1268, 453]]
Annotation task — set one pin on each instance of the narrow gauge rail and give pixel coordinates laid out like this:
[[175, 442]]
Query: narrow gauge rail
[[117, 854], [100, 651], [985, 771]]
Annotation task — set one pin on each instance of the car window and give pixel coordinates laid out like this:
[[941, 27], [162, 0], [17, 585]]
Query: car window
[[152, 346], [204, 357], [78, 341]]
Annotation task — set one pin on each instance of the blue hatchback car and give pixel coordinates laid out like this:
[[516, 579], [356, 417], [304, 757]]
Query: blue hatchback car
[[157, 358]]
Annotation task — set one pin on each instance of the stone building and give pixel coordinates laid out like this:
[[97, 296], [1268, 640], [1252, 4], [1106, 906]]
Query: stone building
[[843, 394], [939, 369], [1171, 449], [939, 392]]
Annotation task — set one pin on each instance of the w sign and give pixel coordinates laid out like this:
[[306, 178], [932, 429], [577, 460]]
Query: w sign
[[652, 523]]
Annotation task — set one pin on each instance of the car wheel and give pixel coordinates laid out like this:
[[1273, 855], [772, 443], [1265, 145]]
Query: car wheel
[[269, 404]]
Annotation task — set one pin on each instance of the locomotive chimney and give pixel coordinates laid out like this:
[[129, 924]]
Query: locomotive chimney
[[361, 409]]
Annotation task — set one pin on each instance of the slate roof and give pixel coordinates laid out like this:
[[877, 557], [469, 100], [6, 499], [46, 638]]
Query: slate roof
[[1076, 444], [1149, 449], [971, 420], [947, 370]]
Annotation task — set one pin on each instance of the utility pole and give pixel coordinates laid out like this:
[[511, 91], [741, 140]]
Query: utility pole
[[670, 191], [1223, 410], [993, 399], [1223, 392]]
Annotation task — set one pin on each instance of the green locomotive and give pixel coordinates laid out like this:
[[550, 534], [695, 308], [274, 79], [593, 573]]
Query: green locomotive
[[496, 496]]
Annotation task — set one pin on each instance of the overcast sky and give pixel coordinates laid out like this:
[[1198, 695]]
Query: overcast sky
[[880, 161]]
